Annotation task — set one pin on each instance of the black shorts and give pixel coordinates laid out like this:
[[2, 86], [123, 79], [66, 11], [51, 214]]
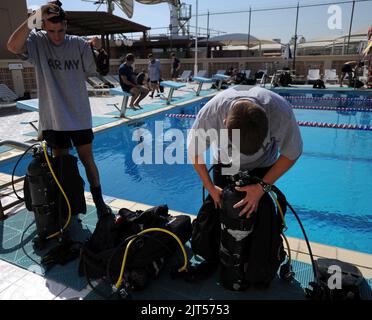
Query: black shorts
[[174, 73], [346, 68], [154, 82], [126, 88], [64, 139]]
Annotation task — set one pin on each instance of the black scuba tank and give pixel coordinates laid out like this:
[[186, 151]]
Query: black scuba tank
[[40, 192], [43, 196], [235, 233]]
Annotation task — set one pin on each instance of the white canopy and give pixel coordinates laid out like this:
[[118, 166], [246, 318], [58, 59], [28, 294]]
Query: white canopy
[[127, 5], [174, 2]]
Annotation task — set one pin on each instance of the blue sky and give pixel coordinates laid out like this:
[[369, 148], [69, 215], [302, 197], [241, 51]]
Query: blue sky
[[269, 24]]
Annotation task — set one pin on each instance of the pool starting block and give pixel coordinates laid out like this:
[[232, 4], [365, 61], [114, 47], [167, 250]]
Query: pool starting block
[[124, 103], [220, 78], [200, 81], [172, 85], [30, 105]]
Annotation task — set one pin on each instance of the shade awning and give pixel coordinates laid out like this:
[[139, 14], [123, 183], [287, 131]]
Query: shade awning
[[89, 23]]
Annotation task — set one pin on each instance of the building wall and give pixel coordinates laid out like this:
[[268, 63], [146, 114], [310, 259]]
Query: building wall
[[303, 63], [12, 14]]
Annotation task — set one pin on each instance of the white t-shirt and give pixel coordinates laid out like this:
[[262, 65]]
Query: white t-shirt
[[154, 70], [283, 135], [60, 75]]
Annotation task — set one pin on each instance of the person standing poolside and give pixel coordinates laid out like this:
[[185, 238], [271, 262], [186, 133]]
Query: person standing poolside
[[176, 66], [128, 82], [348, 68], [252, 131], [61, 62], [154, 74], [270, 141]]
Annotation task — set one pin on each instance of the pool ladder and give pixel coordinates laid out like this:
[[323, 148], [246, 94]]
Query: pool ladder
[[18, 145]]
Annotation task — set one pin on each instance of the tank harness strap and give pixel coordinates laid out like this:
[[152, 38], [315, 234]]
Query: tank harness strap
[[241, 224]]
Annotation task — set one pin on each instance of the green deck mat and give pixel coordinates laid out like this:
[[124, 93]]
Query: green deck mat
[[17, 232], [166, 288]]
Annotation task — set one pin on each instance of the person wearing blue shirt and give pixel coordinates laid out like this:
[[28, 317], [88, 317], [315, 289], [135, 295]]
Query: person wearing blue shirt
[[128, 82]]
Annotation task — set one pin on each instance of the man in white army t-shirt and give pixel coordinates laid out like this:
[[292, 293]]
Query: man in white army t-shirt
[[61, 62]]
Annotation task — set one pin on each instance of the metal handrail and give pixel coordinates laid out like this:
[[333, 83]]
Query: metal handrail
[[15, 144], [19, 145]]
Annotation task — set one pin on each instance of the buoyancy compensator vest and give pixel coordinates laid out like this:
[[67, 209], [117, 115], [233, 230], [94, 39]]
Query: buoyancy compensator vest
[[251, 250], [337, 281], [102, 254], [43, 195]]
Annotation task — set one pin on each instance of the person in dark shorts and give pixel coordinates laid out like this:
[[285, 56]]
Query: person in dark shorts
[[154, 69], [347, 69], [176, 66], [128, 82], [61, 62]]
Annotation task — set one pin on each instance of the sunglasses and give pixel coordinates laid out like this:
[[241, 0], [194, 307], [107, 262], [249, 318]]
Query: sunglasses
[[54, 10]]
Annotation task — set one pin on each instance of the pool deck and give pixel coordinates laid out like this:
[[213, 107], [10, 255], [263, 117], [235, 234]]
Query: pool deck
[[17, 283], [20, 284]]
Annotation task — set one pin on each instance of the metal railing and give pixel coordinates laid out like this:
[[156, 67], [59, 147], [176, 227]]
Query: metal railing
[[21, 146]]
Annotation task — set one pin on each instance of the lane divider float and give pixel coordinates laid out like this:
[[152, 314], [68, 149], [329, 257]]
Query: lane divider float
[[315, 124]]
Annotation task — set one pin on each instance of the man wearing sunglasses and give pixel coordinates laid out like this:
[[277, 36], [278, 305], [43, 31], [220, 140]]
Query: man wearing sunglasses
[[61, 62]]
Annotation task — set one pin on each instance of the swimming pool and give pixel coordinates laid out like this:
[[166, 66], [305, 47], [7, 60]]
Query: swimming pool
[[329, 186]]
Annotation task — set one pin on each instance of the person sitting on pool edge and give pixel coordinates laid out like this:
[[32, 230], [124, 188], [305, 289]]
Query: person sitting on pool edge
[[128, 82]]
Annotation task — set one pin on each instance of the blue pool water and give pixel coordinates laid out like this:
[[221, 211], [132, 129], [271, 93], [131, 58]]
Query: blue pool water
[[330, 185]]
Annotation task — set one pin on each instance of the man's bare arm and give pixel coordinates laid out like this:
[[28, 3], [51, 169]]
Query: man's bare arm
[[17, 41], [201, 169], [126, 81], [281, 166]]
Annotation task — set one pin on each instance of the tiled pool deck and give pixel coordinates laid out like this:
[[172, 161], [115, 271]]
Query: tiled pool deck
[[20, 284]]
